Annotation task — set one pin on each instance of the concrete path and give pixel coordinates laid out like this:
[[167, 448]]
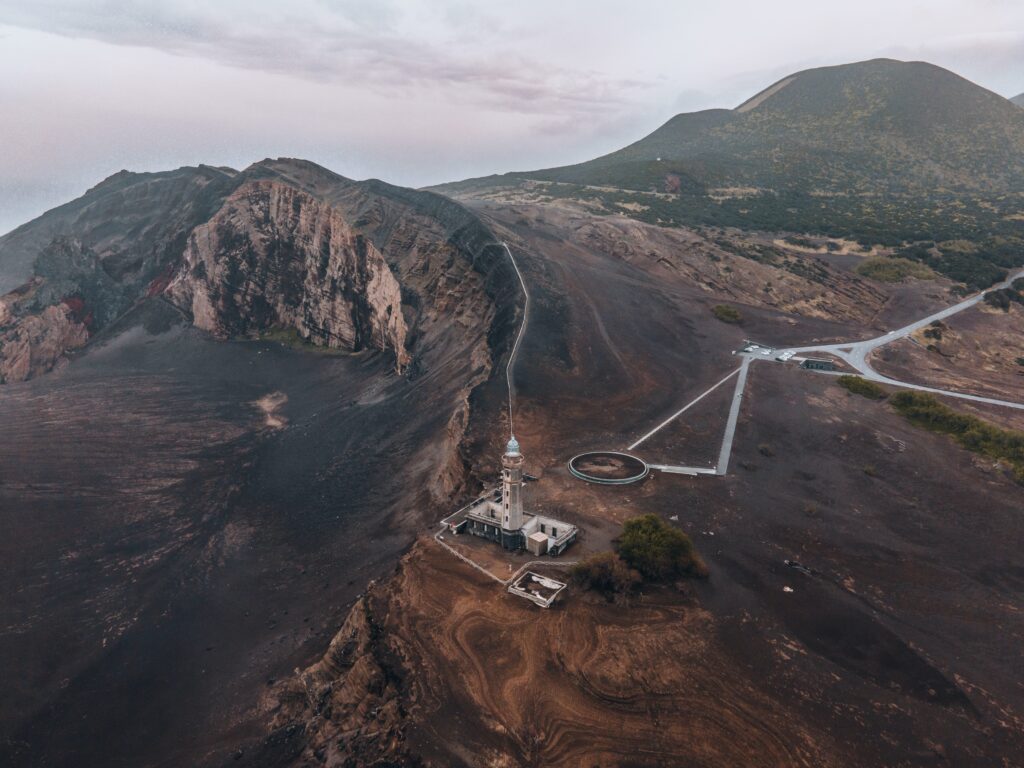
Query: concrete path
[[730, 427], [439, 538], [687, 407], [734, 415], [677, 470]]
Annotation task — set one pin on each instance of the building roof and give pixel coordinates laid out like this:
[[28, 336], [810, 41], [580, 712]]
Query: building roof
[[513, 447]]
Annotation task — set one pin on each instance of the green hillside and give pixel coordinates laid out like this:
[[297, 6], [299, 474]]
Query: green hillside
[[881, 151], [878, 126]]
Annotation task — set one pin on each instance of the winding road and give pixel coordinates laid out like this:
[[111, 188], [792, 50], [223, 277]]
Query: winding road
[[856, 353], [519, 338]]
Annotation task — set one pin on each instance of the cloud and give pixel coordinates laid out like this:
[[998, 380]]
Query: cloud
[[995, 60], [382, 46]]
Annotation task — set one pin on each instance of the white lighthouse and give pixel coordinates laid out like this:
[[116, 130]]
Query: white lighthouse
[[512, 487], [504, 522]]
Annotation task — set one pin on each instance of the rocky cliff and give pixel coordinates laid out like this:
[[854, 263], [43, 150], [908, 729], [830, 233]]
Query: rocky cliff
[[283, 246], [69, 273], [37, 343], [284, 249], [276, 257]]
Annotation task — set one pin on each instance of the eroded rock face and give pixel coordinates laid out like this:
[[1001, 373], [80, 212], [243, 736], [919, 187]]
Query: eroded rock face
[[36, 343], [276, 257], [356, 689]]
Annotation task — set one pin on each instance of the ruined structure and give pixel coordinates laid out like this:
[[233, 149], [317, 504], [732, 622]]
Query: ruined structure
[[506, 523]]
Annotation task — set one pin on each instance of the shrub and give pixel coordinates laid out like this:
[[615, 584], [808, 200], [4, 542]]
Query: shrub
[[924, 410], [1002, 298], [605, 572], [727, 314], [893, 270], [659, 551], [1020, 361], [862, 387]]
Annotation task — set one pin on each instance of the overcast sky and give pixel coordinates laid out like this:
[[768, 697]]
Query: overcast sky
[[418, 92]]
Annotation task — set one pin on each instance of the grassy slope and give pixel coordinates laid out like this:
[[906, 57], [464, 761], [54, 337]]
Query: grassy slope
[[881, 151]]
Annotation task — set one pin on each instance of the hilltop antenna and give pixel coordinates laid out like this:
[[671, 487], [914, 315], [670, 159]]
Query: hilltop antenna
[[519, 338]]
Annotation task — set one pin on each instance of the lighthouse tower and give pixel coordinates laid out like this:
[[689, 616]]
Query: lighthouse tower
[[511, 489]]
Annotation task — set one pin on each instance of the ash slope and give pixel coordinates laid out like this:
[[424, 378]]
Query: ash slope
[[188, 518]]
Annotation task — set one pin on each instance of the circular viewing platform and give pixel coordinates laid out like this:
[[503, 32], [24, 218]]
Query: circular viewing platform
[[608, 468]]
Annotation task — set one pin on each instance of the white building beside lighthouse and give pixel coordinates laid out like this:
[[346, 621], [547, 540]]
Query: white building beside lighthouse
[[502, 519]]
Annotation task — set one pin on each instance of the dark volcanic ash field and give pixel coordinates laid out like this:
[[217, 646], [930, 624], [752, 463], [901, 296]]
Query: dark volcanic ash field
[[167, 552]]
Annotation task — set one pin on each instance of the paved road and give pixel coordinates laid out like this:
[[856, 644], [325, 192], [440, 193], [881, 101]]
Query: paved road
[[519, 338], [856, 353]]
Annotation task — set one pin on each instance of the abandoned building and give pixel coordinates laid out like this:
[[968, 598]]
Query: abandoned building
[[502, 519], [818, 364]]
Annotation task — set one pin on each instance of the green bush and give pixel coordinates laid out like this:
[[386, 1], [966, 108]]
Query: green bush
[[605, 572], [893, 270], [1002, 298], [924, 410], [727, 314], [659, 551], [862, 387]]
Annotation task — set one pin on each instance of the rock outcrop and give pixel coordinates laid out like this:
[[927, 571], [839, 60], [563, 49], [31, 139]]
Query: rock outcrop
[[37, 343], [356, 689], [283, 246], [276, 257]]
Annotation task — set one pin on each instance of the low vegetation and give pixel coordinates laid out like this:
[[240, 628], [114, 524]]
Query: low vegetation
[[893, 270], [648, 549], [859, 386], [972, 433], [977, 263], [1003, 298], [727, 314], [658, 551], [289, 337], [607, 573]]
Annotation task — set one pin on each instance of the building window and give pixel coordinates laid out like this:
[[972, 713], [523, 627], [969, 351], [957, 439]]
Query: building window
[[542, 528], [554, 531]]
